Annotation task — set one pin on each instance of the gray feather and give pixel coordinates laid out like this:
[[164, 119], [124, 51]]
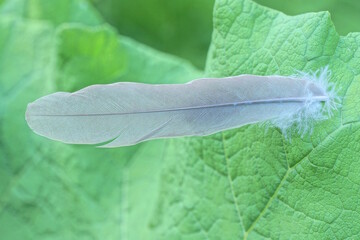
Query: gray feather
[[128, 113]]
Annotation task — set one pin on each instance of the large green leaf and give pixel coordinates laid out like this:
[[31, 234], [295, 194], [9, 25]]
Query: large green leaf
[[251, 183]]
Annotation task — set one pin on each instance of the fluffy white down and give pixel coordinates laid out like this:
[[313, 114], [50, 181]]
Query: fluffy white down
[[302, 121]]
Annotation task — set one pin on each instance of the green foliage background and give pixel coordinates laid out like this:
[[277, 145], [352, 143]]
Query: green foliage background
[[246, 183]]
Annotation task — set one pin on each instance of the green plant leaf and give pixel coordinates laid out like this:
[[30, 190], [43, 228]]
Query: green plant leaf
[[251, 183]]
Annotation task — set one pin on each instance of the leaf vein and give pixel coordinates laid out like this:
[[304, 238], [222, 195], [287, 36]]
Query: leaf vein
[[231, 184]]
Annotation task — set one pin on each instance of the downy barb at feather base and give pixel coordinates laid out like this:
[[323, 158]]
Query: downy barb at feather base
[[123, 114]]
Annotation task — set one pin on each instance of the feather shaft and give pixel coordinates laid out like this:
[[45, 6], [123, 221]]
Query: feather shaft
[[278, 100]]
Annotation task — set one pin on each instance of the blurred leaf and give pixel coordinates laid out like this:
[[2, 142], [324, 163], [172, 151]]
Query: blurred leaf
[[180, 27], [55, 191], [88, 56], [93, 55], [344, 13]]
